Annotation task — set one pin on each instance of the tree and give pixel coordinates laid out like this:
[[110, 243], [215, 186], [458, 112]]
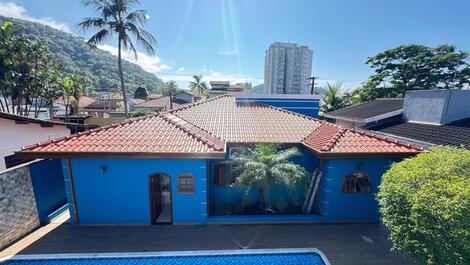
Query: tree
[[425, 204], [415, 67], [334, 98], [118, 16], [265, 165], [198, 87], [141, 92], [170, 89]]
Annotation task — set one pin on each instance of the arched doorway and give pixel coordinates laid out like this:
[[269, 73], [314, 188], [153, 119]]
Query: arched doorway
[[160, 199]]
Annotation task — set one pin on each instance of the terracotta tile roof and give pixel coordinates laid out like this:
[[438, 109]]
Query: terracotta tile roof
[[249, 123], [138, 100], [151, 134], [335, 139], [206, 126], [83, 102]]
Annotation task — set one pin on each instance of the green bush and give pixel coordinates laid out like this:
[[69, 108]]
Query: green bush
[[425, 204]]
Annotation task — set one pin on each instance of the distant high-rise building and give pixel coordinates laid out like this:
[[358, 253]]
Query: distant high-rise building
[[286, 69]]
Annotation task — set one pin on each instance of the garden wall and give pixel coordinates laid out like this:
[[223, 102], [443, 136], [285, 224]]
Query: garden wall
[[18, 211]]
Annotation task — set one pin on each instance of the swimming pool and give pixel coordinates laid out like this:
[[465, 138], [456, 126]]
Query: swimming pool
[[255, 257]]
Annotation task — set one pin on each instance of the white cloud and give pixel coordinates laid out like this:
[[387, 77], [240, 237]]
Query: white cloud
[[180, 69], [11, 9], [150, 64]]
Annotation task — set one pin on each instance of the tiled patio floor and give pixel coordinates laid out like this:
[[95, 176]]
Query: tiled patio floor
[[342, 243]]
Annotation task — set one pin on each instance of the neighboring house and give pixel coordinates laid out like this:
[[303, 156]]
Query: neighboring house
[[424, 117], [164, 103], [432, 117], [59, 105], [171, 167], [17, 131], [101, 108], [369, 113]]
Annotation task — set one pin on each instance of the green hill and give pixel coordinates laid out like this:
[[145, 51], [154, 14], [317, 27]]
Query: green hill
[[77, 57]]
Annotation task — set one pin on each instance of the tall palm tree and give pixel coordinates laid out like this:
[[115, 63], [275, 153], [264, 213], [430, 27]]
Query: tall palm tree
[[119, 17], [334, 98], [170, 89], [266, 165], [198, 86]]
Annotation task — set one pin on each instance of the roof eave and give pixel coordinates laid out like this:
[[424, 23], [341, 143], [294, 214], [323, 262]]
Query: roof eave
[[80, 154], [360, 155]]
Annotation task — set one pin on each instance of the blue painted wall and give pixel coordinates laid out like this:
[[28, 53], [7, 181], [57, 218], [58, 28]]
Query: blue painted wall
[[48, 186], [338, 206], [120, 195], [308, 107]]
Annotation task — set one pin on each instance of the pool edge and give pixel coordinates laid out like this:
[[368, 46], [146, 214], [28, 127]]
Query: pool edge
[[168, 253]]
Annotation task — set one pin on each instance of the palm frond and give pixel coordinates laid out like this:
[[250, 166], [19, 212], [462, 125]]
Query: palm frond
[[138, 16], [99, 37], [128, 45], [144, 38], [285, 155], [93, 22]]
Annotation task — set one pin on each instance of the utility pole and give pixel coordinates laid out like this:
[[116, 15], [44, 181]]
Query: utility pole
[[312, 88]]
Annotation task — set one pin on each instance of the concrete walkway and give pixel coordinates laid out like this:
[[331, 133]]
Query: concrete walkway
[[35, 236], [343, 244]]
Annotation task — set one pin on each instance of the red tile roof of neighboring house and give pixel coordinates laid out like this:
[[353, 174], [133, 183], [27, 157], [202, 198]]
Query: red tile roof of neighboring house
[[206, 126], [83, 102], [138, 100]]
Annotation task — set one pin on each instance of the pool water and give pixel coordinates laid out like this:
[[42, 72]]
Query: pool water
[[253, 259]]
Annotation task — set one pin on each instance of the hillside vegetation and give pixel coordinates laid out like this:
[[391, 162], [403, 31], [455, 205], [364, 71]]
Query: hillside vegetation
[[78, 58]]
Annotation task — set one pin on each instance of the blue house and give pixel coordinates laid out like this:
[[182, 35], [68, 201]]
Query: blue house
[[175, 167]]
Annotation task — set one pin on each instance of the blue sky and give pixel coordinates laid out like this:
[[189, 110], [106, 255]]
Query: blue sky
[[226, 39]]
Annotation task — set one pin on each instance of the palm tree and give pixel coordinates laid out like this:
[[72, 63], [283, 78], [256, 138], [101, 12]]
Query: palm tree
[[170, 89], [118, 17], [198, 86], [334, 98], [266, 165]]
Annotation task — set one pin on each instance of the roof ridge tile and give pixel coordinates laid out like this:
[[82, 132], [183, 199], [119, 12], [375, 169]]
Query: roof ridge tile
[[195, 131]]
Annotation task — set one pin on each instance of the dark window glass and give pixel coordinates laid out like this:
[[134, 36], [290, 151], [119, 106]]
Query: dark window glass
[[357, 182]]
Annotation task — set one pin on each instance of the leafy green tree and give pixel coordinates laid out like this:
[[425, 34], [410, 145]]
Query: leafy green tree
[[334, 98], [6, 43], [141, 92], [141, 113], [118, 17], [76, 57], [52, 89], [265, 165], [415, 67], [197, 86], [425, 204]]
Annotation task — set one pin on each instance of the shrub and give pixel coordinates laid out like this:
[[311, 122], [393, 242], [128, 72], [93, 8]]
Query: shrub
[[425, 204]]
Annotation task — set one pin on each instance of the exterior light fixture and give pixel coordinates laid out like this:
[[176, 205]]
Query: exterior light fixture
[[103, 169]]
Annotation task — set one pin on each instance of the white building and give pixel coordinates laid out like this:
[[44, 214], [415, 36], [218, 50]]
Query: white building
[[286, 69], [17, 131]]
